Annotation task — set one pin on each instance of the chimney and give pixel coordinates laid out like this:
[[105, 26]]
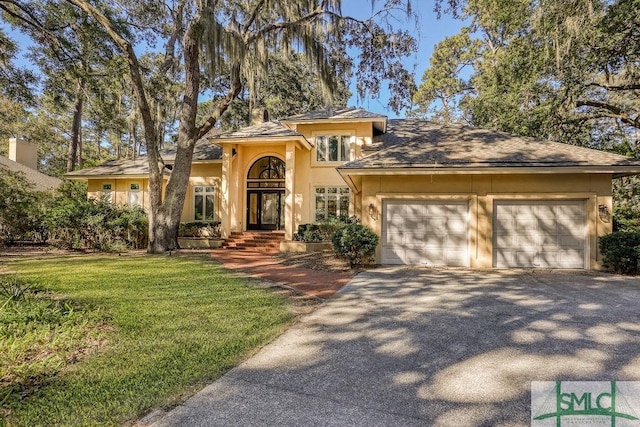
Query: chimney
[[21, 151], [259, 115]]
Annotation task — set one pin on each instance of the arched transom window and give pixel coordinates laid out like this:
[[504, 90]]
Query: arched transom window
[[267, 172]]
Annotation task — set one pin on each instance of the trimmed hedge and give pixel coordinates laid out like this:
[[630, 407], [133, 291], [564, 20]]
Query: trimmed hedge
[[322, 231], [208, 229], [621, 251]]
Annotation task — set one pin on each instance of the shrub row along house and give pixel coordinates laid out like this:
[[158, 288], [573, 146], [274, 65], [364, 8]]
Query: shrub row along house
[[436, 195]]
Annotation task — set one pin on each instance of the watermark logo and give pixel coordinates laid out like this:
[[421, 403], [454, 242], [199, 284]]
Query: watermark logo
[[585, 403]]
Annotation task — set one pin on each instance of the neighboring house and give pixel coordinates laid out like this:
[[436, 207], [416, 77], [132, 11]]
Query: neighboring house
[[436, 195], [23, 157]]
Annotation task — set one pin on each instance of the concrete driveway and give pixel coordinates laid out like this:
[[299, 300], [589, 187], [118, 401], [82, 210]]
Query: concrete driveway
[[416, 347]]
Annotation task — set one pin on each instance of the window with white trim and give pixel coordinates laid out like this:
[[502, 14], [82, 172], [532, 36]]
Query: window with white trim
[[107, 192], [133, 197], [333, 148], [331, 202], [203, 203]]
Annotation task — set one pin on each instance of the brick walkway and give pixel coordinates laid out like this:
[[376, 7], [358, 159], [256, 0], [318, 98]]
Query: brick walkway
[[317, 283]]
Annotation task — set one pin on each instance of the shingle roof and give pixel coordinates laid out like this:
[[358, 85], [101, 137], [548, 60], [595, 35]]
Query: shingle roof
[[335, 114], [117, 168], [273, 128], [412, 143], [41, 181], [203, 150]]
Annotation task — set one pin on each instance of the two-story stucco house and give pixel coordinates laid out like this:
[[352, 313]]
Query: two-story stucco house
[[436, 195]]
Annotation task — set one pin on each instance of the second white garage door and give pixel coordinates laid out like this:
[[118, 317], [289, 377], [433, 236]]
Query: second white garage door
[[425, 233], [544, 233]]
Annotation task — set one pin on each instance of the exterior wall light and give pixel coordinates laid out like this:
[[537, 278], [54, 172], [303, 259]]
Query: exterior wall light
[[603, 213], [373, 211]]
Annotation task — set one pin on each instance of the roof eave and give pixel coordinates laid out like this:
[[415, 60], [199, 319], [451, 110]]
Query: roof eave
[[196, 162], [264, 139], [86, 177], [617, 171], [382, 120]]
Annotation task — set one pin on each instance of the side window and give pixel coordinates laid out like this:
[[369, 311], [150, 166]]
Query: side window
[[107, 192], [203, 203], [133, 198], [333, 148]]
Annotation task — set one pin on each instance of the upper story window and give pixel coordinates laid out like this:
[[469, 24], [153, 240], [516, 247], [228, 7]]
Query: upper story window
[[133, 198], [107, 192], [333, 148], [203, 203]]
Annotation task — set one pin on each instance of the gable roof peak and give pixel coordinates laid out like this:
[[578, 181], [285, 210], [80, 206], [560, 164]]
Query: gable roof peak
[[273, 128]]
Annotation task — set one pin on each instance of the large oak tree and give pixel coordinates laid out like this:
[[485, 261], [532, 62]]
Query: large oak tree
[[567, 70], [229, 43]]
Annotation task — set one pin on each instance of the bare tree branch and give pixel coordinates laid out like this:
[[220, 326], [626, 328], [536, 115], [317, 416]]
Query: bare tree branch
[[253, 16], [630, 86], [284, 25], [223, 104], [32, 21], [612, 111], [170, 50]]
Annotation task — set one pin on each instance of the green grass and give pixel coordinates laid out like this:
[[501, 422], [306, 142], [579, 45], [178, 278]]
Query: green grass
[[174, 324]]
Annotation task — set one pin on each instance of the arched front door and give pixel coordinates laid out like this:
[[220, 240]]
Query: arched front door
[[265, 194]]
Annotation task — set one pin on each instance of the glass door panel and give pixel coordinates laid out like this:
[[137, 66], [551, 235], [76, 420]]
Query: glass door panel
[[265, 209], [253, 210], [269, 212]]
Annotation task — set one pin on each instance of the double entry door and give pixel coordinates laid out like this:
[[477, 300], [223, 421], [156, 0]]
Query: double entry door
[[265, 209]]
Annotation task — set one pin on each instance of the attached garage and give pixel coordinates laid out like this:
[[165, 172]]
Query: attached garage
[[543, 233], [463, 196], [432, 233]]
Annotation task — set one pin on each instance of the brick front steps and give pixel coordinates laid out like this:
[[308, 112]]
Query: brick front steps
[[256, 241]]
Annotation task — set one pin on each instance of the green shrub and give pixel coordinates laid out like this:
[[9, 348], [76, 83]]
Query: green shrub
[[210, 229], [77, 221], [309, 233], [21, 209], [621, 251], [322, 231], [67, 215], [355, 242], [626, 218]]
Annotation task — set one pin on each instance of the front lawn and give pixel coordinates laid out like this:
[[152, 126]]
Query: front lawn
[[146, 332]]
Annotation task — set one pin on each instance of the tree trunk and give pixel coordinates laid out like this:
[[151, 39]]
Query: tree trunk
[[80, 158], [164, 234], [75, 145], [164, 217]]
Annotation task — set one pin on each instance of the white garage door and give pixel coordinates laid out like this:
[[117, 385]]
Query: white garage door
[[549, 234], [425, 233]]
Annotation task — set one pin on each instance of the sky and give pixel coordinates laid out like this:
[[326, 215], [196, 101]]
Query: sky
[[429, 32]]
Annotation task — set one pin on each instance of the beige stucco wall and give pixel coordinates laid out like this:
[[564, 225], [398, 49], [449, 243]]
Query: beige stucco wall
[[307, 173], [202, 174], [120, 189], [481, 191], [311, 174]]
